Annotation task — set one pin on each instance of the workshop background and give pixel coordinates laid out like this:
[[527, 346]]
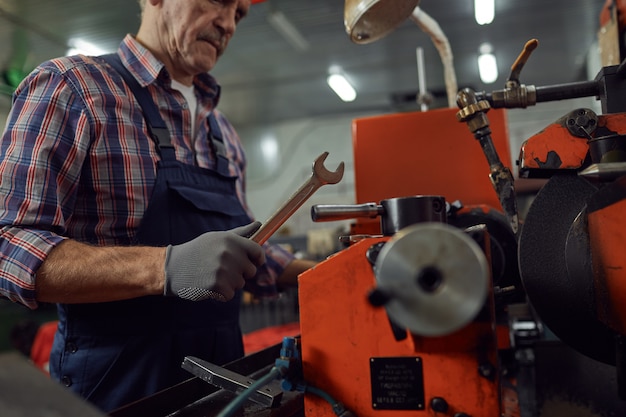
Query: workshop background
[[274, 88], [274, 72], [275, 92]]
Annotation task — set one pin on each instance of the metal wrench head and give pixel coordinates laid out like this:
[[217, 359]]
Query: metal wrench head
[[325, 176]]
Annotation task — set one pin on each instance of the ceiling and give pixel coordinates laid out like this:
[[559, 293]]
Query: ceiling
[[266, 80]]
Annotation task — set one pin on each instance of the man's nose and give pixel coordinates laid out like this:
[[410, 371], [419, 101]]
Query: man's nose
[[226, 21]]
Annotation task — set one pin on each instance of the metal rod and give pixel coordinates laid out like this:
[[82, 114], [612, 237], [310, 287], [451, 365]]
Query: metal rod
[[568, 91], [421, 78], [332, 212]]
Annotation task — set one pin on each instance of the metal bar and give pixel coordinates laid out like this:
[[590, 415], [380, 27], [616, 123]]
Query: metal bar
[[268, 396]]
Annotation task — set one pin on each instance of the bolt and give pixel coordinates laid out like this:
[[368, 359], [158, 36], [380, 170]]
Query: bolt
[[487, 370], [439, 405], [373, 252], [438, 206]]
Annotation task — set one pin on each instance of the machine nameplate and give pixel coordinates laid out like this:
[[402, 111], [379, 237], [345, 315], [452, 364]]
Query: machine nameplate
[[397, 383]]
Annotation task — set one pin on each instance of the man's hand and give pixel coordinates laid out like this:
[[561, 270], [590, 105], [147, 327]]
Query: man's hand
[[213, 265]]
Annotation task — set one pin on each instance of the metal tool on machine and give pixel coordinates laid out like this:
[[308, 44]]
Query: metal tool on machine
[[321, 176]]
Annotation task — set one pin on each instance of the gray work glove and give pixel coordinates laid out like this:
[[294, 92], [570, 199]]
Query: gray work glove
[[213, 265]]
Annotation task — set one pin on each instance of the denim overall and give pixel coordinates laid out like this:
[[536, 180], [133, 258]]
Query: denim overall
[[118, 352]]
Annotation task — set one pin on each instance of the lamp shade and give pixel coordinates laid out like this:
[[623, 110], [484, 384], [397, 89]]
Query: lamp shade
[[369, 20]]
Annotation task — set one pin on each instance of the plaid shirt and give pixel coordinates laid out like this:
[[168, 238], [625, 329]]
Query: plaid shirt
[[69, 170]]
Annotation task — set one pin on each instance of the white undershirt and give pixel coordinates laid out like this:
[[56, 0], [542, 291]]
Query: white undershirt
[[192, 102]]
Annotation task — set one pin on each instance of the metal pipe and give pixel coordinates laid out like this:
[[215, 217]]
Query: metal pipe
[[332, 212], [567, 91]]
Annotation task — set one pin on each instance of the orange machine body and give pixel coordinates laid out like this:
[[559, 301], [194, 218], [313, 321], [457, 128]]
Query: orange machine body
[[344, 338], [424, 153], [556, 148], [537, 151]]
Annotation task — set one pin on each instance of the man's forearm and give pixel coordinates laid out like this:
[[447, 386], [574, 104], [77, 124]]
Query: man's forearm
[[289, 277], [75, 272]]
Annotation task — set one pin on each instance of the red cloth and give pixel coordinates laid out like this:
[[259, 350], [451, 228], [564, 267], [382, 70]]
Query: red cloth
[[269, 336], [42, 345]]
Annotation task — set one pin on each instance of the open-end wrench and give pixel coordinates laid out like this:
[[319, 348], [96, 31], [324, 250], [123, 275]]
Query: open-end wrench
[[321, 176]]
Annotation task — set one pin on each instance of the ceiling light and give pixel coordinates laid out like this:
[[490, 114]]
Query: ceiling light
[[484, 11], [80, 46], [487, 64], [269, 148], [340, 85], [287, 29]]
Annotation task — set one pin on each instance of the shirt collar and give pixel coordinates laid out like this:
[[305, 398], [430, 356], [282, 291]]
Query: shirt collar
[[147, 69]]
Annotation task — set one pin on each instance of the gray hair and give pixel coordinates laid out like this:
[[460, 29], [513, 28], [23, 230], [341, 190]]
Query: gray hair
[[142, 5]]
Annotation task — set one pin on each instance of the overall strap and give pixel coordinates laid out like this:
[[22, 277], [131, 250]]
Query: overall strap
[[156, 126], [217, 141]]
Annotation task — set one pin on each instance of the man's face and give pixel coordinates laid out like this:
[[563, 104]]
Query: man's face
[[195, 33]]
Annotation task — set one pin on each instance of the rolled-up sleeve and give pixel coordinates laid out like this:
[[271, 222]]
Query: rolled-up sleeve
[[40, 160]]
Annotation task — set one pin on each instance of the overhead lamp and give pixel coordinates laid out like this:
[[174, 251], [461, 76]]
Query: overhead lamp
[[484, 11], [487, 64], [282, 25], [269, 148], [369, 20], [340, 85], [80, 46]]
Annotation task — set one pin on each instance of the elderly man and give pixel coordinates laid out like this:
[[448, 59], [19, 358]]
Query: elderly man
[[124, 203]]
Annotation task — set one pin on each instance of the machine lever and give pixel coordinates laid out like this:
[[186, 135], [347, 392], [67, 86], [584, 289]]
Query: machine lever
[[320, 176], [519, 63], [268, 395]]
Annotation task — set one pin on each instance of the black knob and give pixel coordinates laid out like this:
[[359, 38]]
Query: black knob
[[439, 405], [378, 297]]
